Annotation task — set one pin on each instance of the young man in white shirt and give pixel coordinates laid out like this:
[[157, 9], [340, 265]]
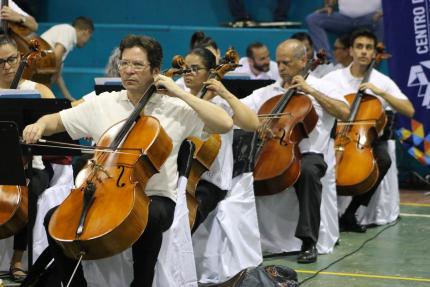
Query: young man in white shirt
[[180, 114], [63, 38], [349, 80], [291, 59]]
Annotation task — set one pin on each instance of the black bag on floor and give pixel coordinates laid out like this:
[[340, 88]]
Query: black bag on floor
[[261, 276]]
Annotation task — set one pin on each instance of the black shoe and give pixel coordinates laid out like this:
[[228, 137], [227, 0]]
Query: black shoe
[[351, 225], [308, 255]]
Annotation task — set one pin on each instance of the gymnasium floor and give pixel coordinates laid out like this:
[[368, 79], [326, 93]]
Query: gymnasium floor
[[394, 255]]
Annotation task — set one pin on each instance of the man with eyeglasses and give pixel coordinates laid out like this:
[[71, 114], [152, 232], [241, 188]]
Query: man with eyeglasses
[[9, 63], [257, 63], [179, 113], [329, 104], [14, 14], [341, 51]]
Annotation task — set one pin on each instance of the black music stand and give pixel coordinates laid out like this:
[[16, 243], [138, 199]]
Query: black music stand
[[23, 112], [11, 165], [107, 84], [244, 87]]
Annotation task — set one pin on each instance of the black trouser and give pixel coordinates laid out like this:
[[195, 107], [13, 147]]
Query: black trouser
[[38, 183], [238, 11], [208, 195], [309, 189], [383, 161], [145, 250]]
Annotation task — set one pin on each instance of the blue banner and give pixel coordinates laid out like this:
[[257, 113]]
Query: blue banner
[[407, 38]]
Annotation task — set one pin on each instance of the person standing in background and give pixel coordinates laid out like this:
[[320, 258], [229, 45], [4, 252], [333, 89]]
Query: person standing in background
[[63, 38]]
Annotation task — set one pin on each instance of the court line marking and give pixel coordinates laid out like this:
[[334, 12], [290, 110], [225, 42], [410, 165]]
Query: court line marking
[[415, 204], [365, 275], [415, 215]]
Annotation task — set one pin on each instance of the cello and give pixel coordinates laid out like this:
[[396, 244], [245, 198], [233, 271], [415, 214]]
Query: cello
[[108, 211], [206, 151], [14, 199], [357, 171], [288, 118], [45, 67]]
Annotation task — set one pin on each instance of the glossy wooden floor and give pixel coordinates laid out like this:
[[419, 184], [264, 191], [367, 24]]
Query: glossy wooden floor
[[394, 255]]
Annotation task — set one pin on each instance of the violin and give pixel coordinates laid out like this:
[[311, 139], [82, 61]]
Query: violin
[[287, 119], [14, 198], [108, 211], [357, 171], [45, 67]]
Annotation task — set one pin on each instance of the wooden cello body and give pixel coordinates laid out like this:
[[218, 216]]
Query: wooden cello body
[[46, 66], [278, 160], [204, 155], [108, 211], [13, 209], [287, 119], [356, 168]]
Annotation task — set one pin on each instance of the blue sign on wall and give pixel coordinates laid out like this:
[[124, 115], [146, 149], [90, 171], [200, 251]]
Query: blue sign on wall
[[407, 37]]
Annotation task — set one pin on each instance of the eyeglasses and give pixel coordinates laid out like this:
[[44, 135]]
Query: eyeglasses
[[193, 69], [136, 66], [12, 60]]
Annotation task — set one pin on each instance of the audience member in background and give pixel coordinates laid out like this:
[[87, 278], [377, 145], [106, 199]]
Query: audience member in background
[[242, 18], [63, 38], [257, 63], [320, 70], [341, 52], [111, 69], [307, 41], [14, 14], [351, 15], [200, 40]]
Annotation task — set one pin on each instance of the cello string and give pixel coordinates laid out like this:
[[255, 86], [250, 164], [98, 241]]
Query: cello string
[[85, 150], [83, 146]]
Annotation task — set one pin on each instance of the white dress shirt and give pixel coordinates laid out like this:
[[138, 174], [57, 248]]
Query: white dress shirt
[[348, 84], [318, 139], [93, 117]]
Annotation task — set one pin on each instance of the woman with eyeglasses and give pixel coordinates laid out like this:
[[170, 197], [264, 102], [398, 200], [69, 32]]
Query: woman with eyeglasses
[[9, 63], [215, 183]]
